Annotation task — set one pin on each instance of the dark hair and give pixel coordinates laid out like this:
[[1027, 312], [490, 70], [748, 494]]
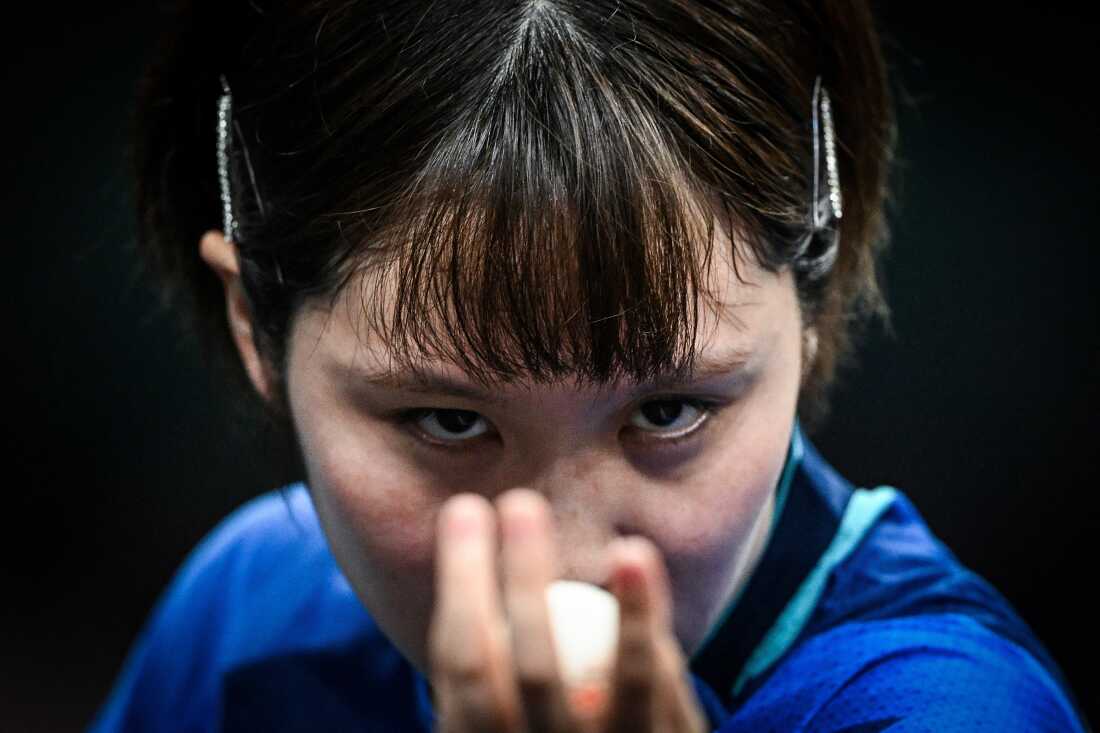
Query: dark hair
[[530, 171]]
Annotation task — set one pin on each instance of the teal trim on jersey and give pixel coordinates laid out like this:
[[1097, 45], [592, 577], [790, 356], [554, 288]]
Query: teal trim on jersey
[[863, 510], [795, 451]]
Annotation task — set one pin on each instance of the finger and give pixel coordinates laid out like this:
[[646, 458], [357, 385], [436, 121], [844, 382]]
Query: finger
[[684, 712], [470, 663], [677, 707], [635, 677], [529, 567]]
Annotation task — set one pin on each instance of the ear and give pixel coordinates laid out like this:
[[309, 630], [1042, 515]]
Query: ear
[[221, 255], [809, 350]]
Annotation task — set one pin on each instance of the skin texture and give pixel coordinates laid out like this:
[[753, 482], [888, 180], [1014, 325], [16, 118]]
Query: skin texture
[[594, 458]]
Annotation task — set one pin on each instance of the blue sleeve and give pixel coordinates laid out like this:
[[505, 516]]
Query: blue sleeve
[[167, 681], [941, 673], [262, 583]]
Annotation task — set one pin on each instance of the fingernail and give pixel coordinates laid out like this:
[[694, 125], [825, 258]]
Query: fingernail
[[631, 579]]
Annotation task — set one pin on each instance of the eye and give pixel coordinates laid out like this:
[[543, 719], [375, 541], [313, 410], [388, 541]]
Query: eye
[[676, 418], [446, 425], [667, 420]]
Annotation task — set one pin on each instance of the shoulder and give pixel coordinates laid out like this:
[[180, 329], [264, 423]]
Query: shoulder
[[888, 629], [255, 574], [937, 625], [868, 621], [255, 587], [940, 672], [901, 570]]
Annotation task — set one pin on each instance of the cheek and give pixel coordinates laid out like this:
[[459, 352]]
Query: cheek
[[377, 510], [713, 508], [707, 518], [375, 502], [383, 521]]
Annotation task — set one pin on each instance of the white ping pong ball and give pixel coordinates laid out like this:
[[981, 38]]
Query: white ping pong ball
[[584, 620]]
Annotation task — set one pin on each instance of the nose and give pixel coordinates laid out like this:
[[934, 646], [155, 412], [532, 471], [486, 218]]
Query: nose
[[580, 530]]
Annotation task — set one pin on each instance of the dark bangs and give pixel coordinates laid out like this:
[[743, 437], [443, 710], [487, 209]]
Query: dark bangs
[[544, 243]]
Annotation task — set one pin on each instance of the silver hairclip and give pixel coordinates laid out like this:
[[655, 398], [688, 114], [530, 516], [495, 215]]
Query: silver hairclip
[[830, 149], [230, 226], [825, 209], [225, 121]]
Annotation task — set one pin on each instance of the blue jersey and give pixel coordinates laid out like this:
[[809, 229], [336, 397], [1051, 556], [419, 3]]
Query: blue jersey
[[855, 619]]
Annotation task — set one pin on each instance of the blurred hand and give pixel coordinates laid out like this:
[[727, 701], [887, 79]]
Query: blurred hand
[[488, 678]]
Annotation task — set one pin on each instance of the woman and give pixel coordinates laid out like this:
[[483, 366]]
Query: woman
[[547, 290]]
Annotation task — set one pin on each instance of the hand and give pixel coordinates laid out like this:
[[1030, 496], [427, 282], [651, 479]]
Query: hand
[[488, 678]]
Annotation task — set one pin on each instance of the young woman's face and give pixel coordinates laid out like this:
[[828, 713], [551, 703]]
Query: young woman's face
[[633, 459]]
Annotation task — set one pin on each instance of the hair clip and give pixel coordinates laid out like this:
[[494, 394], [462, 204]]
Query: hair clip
[[821, 98], [225, 120], [826, 208], [230, 227]]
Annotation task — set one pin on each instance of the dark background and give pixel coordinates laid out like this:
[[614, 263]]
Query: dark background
[[982, 409]]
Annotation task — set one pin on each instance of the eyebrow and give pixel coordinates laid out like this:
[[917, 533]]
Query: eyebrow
[[424, 381]]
